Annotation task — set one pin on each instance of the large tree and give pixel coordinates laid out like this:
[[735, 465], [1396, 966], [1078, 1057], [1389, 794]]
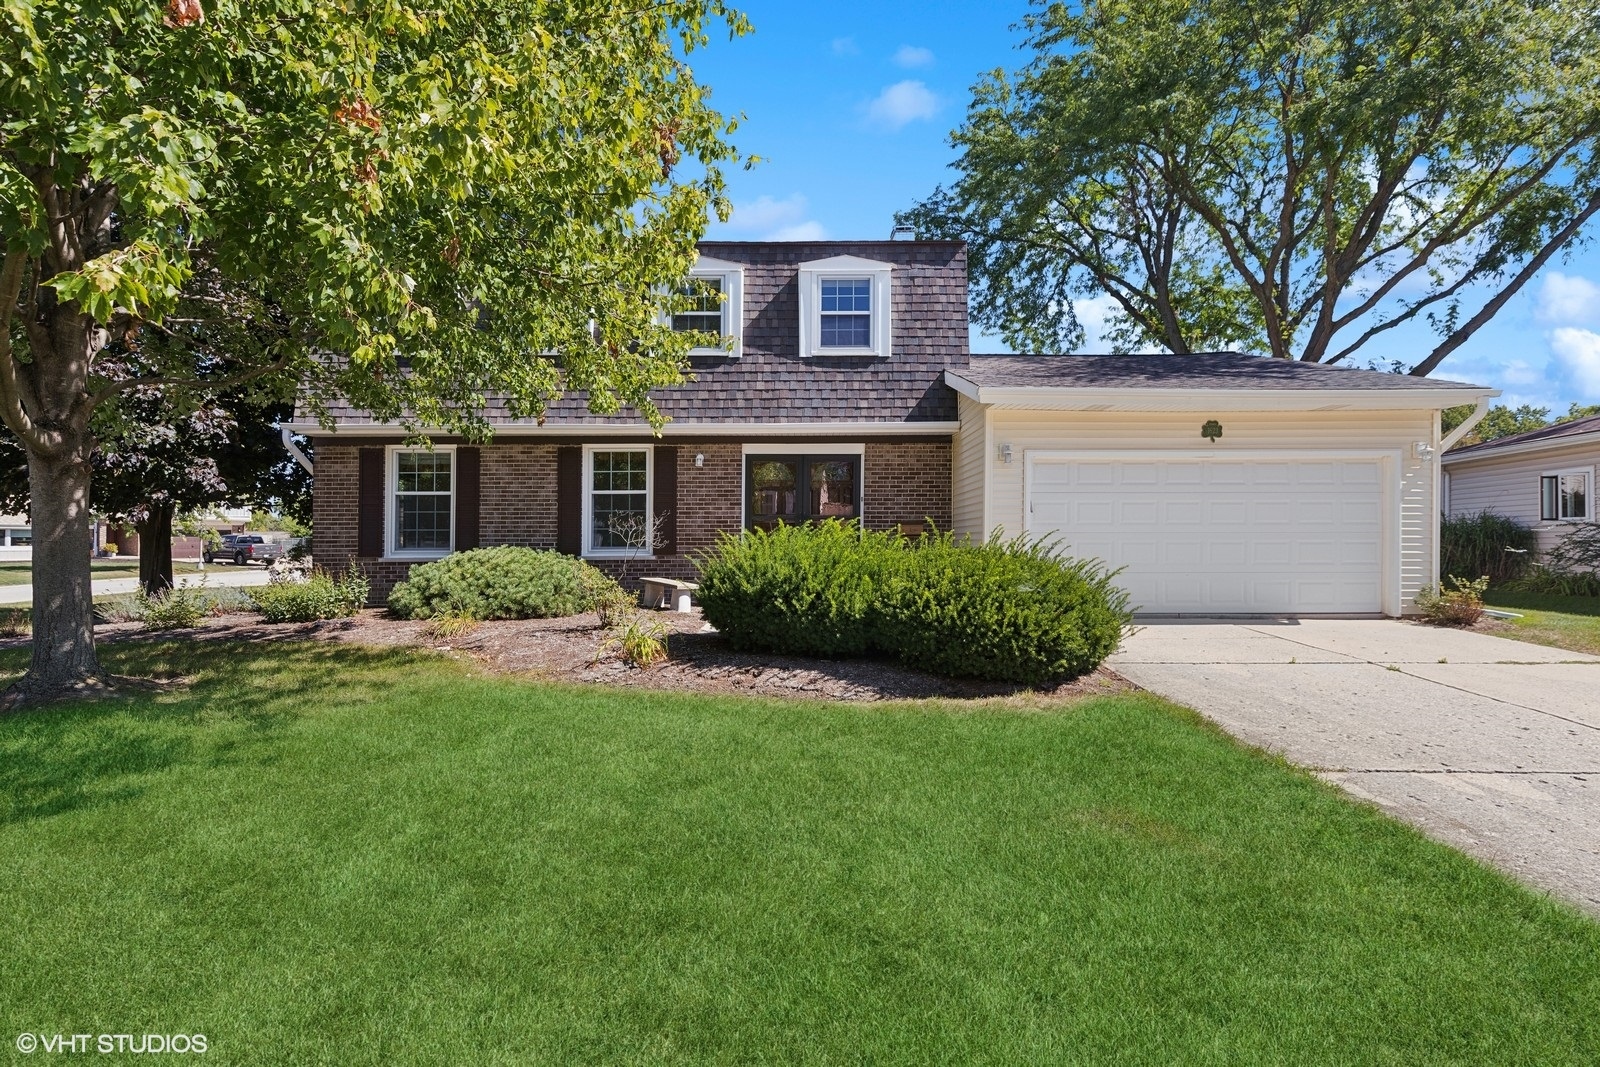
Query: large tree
[[450, 199], [1294, 177]]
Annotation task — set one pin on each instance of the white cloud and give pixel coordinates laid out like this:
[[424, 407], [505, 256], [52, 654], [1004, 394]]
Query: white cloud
[[810, 230], [902, 103], [763, 213], [844, 46], [1577, 362], [1519, 373], [768, 219], [1567, 298], [909, 56]]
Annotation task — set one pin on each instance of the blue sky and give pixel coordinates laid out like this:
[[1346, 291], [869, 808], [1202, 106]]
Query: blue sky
[[851, 105]]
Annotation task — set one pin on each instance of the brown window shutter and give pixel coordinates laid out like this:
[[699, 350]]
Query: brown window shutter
[[666, 500], [468, 494], [569, 500], [370, 492]]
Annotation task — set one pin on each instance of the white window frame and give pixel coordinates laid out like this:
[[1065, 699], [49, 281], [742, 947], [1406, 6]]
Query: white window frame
[[732, 277], [845, 268], [1588, 493], [649, 549], [391, 510]]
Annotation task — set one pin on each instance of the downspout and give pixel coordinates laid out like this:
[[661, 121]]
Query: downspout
[[1442, 446], [1466, 427], [299, 456]]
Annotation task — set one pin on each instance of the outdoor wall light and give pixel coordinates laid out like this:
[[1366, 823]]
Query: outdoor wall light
[[1422, 450], [1005, 453], [699, 459]]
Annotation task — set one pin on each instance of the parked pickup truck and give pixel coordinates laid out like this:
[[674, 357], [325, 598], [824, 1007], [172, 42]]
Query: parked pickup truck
[[246, 548]]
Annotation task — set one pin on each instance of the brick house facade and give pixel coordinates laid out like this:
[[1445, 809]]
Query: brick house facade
[[1218, 483], [870, 420]]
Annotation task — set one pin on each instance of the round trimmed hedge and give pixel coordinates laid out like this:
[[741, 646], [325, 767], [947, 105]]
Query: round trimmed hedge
[[500, 583], [1004, 610]]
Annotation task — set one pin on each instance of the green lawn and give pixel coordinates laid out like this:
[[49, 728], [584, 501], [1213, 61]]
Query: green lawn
[[322, 854], [1570, 622], [20, 572]]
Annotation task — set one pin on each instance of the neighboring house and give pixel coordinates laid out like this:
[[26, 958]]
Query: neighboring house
[[1542, 478], [16, 537], [1223, 483]]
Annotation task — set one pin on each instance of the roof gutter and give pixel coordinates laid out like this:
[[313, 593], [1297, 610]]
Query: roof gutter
[[287, 435], [1466, 427]]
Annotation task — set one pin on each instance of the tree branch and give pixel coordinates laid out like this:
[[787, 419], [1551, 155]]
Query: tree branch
[[1489, 310], [11, 407]]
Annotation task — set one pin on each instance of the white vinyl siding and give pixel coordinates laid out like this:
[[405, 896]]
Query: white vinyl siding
[[1509, 485], [1394, 433], [969, 452]]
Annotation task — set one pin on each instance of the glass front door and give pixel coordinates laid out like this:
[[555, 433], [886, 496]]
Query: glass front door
[[797, 489]]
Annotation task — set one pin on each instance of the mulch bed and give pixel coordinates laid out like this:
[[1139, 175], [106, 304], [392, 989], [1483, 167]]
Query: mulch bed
[[574, 650]]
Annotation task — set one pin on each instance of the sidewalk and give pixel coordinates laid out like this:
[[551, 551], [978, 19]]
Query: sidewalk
[[216, 576]]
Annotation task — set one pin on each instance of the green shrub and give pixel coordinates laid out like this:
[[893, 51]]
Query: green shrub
[[1571, 568], [1003, 610], [498, 583], [321, 596], [176, 609], [1485, 544], [799, 590], [1460, 605], [641, 641]]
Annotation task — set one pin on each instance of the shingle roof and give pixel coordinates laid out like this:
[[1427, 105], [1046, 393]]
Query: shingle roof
[[1211, 370], [772, 383], [1553, 434]]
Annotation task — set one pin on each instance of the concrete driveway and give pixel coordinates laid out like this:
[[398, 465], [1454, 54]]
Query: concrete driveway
[[1489, 744]]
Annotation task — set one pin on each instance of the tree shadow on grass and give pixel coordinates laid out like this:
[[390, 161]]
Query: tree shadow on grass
[[218, 706]]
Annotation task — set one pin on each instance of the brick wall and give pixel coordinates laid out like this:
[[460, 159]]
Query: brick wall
[[906, 483], [517, 505], [903, 482]]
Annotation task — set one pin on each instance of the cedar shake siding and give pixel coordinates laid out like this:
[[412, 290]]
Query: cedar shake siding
[[518, 501]]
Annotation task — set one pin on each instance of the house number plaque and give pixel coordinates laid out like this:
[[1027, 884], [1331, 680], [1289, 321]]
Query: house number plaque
[[1211, 430]]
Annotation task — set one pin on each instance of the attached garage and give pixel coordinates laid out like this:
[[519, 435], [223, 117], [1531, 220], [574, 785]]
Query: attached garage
[[1220, 484], [1229, 534]]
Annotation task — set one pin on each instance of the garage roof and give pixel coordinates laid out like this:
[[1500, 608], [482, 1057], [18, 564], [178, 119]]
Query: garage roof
[[1176, 382]]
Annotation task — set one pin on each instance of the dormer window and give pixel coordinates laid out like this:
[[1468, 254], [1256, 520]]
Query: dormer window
[[846, 312], [705, 315], [844, 307], [717, 306]]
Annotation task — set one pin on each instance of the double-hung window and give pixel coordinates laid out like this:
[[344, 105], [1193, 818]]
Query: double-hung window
[[617, 502], [845, 307], [713, 303], [422, 494], [1564, 495], [846, 312]]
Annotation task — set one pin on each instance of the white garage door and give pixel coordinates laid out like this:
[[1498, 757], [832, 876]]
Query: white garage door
[[1222, 536]]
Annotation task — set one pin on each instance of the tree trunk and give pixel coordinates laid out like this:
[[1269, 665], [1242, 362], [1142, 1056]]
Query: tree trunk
[[155, 550], [64, 659]]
